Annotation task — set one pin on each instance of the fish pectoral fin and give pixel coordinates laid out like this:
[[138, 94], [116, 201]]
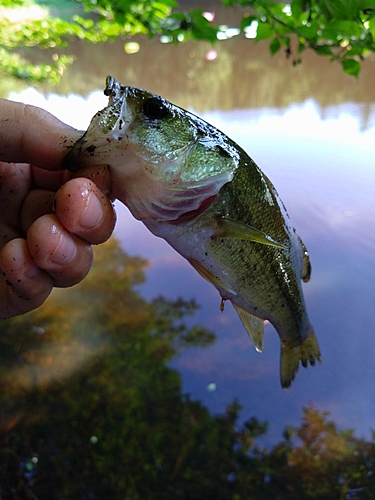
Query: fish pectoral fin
[[254, 327], [306, 352], [211, 277], [229, 228]]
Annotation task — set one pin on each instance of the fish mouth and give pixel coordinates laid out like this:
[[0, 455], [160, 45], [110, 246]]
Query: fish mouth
[[73, 161], [106, 130], [113, 88]]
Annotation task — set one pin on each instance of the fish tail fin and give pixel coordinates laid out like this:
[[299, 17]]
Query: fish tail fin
[[306, 352]]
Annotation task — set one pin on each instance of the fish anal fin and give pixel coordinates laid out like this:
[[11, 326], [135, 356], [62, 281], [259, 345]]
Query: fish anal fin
[[253, 325], [211, 277], [291, 355], [229, 228]]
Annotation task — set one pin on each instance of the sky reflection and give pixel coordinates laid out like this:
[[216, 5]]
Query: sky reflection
[[322, 166]]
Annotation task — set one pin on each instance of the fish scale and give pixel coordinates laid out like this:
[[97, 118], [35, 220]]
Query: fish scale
[[193, 186], [278, 263]]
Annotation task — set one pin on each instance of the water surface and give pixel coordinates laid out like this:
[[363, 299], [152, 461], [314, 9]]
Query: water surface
[[311, 129]]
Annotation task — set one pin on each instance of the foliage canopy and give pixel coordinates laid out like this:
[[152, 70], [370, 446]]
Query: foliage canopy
[[342, 30]]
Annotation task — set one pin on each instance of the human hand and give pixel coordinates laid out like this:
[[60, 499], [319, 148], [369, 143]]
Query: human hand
[[48, 218]]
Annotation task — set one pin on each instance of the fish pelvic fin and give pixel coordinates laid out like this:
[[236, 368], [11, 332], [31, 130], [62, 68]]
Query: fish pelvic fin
[[211, 277], [253, 325], [229, 228], [291, 355]]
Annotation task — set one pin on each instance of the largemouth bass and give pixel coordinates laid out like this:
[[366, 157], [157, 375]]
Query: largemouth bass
[[193, 186]]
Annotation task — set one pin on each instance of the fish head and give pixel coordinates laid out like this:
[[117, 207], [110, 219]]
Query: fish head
[[165, 161]]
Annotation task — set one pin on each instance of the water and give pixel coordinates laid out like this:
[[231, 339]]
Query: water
[[327, 186], [311, 129]]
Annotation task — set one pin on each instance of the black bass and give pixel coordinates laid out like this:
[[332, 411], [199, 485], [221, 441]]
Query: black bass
[[193, 186]]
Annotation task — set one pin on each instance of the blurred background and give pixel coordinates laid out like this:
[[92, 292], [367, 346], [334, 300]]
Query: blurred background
[[133, 385]]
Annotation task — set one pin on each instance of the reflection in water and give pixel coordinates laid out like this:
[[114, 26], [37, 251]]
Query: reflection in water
[[310, 129], [242, 76], [120, 427]]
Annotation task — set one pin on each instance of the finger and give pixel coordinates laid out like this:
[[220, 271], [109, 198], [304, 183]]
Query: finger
[[64, 256], [100, 174], [32, 135], [15, 182], [50, 180], [85, 211], [23, 286], [37, 203]]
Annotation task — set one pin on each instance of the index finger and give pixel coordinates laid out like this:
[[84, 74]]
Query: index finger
[[29, 134]]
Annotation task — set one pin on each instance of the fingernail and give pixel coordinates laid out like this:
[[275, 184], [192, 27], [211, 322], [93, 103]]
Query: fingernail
[[65, 251], [93, 212]]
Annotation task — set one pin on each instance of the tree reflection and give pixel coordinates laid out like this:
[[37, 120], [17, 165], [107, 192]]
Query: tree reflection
[[90, 409]]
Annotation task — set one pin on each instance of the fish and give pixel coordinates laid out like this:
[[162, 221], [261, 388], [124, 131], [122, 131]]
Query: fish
[[195, 187]]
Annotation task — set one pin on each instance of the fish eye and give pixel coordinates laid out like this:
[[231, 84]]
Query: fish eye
[[155, 109]]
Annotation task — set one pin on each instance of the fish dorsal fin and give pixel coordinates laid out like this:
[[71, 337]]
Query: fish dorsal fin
[[210, 277], [253, 325], [229, 228]]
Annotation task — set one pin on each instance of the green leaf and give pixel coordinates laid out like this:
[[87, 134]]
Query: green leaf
[[355, 50], [247, 21], [275, 46], [372, 27], [342, 29], [343, 9], [168, 3], [301, 46], [201, 29], [351, 67], [264, 31], [323, 50], [309, 31], [296, 8], [366, 4]]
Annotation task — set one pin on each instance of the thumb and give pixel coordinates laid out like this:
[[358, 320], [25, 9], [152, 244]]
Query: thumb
[[29, 134]]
